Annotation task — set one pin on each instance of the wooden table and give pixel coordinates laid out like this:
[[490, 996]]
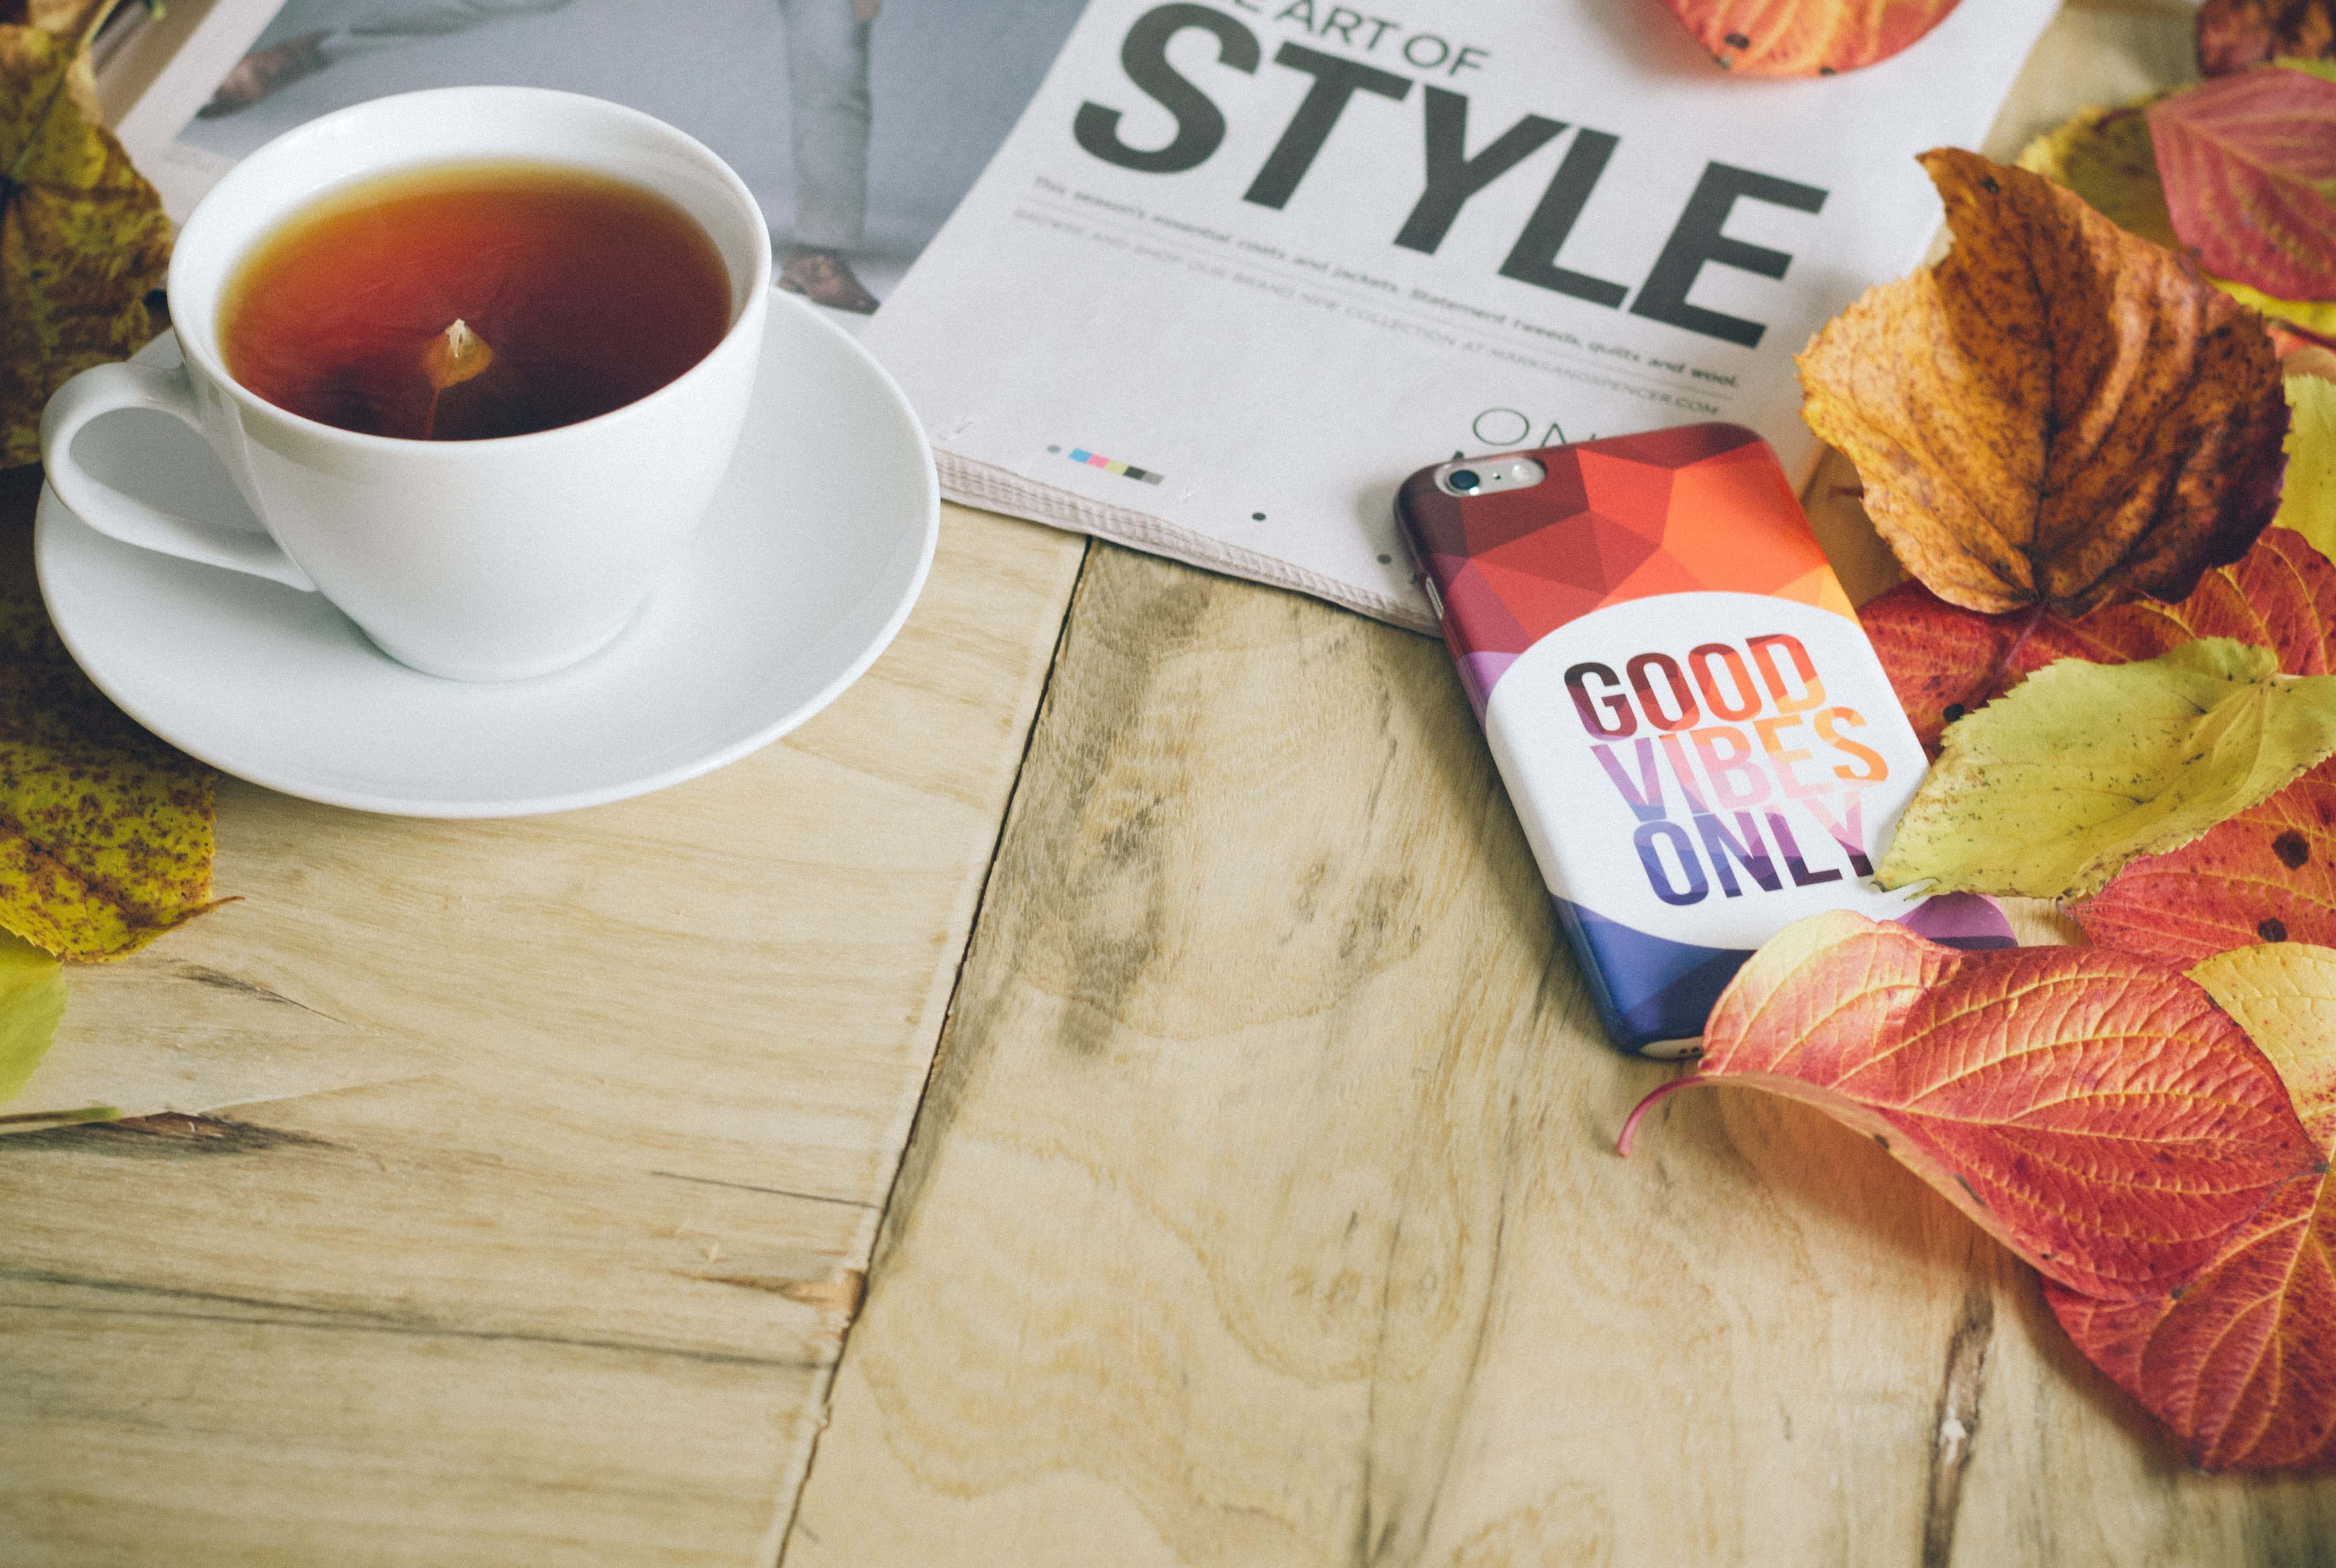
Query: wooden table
[[1101, 1093]]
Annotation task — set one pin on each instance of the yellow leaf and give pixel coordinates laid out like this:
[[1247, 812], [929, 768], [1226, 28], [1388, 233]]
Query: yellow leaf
[[106, 832], [2308, 504], [2105, 156], [82, 238], [32, 1000], [2048, 790], [2318, 317]]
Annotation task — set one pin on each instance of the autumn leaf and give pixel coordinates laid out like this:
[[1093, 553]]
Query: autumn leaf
[[2243, 160], [2058, 412], [2239, 1362], [32, 1000], [2233, 34], [106, 832], [2093, 1111], [82, 238], [2307, 503], [1945, 661], [2107, 156], [2266, 875], [1806, 37], [2048, 791]]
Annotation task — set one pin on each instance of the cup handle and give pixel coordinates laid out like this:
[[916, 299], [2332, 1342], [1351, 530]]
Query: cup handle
[[106, 389]]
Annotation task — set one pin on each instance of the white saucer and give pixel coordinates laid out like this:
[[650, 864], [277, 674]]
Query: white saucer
[[807, 564]]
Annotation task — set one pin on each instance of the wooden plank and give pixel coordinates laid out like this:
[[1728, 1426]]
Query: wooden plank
[[519, 1176], [1263, 1208]]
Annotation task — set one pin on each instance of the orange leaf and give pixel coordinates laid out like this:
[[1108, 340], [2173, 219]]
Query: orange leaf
[[2267, 874], [2239, 1360], [2058, 412], [2093, 1111], [2241, 159], [1945, 661], [2233, 34], [1806, 37]]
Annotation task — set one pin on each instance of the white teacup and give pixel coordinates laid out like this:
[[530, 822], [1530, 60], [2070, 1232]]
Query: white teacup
[[475, 560]]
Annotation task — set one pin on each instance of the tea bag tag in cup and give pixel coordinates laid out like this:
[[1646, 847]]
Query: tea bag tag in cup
[[455, 356], [106, 389]]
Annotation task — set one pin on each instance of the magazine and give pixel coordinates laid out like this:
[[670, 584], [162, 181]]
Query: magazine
[[1242, 267], [858, 124], [1210, 279]]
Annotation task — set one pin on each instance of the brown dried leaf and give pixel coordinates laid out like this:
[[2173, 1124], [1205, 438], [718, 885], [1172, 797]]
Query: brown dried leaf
[[2057, 413], [2233, 34]]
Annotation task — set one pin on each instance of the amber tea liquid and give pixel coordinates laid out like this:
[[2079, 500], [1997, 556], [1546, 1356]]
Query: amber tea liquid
[[585, 292]]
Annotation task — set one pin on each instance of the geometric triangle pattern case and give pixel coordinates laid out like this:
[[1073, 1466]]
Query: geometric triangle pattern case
[[1698, 739]]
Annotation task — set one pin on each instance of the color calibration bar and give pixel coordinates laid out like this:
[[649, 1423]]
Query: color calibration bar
[[1113, 466]]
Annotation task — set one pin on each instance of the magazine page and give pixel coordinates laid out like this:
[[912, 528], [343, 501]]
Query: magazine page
[[858, 124], [1244, 265]]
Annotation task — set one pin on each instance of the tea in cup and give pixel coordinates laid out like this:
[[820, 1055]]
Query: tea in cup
[[476, 357]]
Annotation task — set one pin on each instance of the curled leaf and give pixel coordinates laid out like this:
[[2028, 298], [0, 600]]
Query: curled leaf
[[1806, 37], [2048, 791], [106, 832], [32, 1000], [1946, 661], [2057, 413], [2239, 1362], [2095, 1112], [2243, 160], [82, 238], [2233, 34]]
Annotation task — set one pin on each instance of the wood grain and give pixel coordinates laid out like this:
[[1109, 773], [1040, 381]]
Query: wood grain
[[1263, 1208], [517, 1179]]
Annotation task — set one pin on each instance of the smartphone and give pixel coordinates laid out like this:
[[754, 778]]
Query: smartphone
[[1698, 738]]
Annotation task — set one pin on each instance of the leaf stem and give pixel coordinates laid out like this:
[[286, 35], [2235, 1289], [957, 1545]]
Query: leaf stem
[[1630, 1122], [1989, 689]]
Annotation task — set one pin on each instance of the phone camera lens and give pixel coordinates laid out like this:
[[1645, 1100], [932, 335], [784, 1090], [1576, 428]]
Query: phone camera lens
[[1463, 479]]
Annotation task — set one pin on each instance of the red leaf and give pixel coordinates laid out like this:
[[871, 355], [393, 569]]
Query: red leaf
[[2266, 875], [2240, 1361], [2233, 34], [1806, 37], [2093, 1111], [2240, 156], [1944, 660]]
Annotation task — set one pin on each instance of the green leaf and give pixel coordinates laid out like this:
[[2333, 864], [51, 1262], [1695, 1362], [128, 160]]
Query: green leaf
[[2048, 790], [2308, 503], [32, 1000]]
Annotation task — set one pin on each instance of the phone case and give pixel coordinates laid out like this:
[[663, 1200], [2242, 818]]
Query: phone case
[[1695, 732]]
